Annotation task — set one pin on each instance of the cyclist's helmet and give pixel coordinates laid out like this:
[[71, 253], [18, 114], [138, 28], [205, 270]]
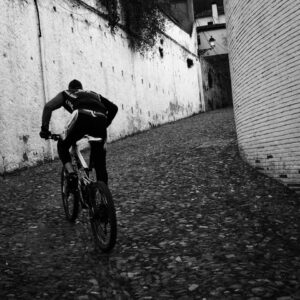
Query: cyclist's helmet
[[75, 85]]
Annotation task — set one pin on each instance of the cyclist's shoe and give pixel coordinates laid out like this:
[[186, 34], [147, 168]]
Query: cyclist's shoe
[[72, 180]]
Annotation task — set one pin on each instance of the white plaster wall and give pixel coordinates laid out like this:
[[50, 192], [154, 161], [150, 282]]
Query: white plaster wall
[[183, 38], [77, 43], [21, 86]]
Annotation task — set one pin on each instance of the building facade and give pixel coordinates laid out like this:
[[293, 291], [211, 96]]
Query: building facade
[[264, 52], [210, 25]]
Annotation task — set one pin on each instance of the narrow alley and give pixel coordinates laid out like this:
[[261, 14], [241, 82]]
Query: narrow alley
[[194, 222]]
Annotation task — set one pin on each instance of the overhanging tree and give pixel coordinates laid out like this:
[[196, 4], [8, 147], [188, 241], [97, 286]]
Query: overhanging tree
[[142, 19]]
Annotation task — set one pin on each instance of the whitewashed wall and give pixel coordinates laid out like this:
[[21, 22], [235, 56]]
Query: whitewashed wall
[[76, 43], [264, 51], [21, 86]]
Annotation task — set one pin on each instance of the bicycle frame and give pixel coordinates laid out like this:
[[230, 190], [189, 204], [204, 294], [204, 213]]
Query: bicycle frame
[[92, 194], [80, 145]]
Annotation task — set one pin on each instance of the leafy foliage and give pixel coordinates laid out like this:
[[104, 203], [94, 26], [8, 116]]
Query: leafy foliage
[[143, 20], [113, 15]]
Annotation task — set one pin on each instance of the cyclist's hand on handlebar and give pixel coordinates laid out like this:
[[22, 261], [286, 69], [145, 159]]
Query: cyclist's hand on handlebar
[[55, 137], [45, 133]]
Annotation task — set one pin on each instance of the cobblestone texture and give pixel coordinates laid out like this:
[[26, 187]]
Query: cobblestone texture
[[194, 221]]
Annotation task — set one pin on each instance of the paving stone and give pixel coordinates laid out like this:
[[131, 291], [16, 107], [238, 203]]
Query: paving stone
[[194, 222]]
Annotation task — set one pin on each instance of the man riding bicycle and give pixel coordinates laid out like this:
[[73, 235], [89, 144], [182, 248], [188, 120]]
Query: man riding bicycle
[[91, 115]]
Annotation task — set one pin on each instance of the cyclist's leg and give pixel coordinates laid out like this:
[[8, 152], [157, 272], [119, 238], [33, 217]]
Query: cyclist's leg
[[75, 131], [63, 146], [98, 156], [98, 149]]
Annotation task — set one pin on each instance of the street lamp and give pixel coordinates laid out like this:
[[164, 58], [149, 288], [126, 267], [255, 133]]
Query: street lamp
[[212, 46], [212, 42]]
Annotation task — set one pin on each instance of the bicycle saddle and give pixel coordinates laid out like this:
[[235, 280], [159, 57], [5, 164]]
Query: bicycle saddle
[[93, 138], [84, 142]]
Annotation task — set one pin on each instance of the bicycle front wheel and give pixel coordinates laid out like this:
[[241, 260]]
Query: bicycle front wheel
[[70, 200], [103, 217]]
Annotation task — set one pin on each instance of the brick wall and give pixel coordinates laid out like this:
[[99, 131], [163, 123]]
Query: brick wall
[[264, 51], [75, 42]]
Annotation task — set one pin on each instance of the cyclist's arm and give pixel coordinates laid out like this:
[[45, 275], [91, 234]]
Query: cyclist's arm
[[112, 109], [50, 106]]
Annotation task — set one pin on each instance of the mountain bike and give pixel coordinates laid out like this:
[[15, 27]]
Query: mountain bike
[[91, 194]]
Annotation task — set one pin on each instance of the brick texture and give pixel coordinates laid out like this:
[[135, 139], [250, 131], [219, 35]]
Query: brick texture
[[264, 52]]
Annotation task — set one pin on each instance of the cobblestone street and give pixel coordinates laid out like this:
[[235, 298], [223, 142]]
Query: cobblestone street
[[194, 222]]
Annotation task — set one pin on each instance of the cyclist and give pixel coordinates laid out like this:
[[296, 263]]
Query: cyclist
[[91, 114]]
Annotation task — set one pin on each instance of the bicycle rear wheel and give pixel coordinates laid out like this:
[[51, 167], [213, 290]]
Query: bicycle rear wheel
[[70, 200], [103, 216]]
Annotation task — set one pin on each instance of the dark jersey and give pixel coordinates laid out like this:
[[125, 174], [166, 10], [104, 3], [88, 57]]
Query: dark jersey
[[79, 99]]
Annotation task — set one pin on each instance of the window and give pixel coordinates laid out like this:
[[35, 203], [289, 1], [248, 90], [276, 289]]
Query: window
[[161, 52], [189, 62]]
